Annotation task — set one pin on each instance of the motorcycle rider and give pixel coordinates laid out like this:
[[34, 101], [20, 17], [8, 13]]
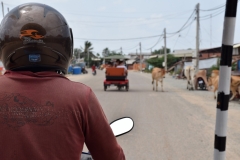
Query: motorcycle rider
[[94, 69], [44, 115]]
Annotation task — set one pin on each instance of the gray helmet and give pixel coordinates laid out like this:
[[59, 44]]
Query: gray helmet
[[35, 37]]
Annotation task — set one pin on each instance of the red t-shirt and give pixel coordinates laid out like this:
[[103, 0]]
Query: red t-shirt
[[93, 68], [45, 116]]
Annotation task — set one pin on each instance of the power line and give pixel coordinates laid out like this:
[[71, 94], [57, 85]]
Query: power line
[[182, 28], [125, 39], [213, 15], [131, 48], [176, 41], [89, 15], [174, 33], [159, 40], [215, 8]]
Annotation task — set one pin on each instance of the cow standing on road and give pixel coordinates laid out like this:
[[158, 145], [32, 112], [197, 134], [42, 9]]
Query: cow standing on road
[[158, 75], [189, 72], [234, 85]]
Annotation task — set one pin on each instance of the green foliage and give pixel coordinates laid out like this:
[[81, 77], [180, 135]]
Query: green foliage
[[106, 52], [157, 62], [87, 47], [112, 53], [147, 70], [234, 67], [161, 51], [215, 67], [77, 52]]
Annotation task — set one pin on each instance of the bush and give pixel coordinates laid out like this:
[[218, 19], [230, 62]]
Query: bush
[[157, 62]]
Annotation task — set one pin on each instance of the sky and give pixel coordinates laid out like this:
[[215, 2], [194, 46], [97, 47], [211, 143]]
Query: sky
[[116, 23]]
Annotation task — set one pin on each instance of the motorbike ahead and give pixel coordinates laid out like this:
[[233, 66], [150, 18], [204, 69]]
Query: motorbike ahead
[[84, 71], [94, 72], [119, 127], [201, 83]]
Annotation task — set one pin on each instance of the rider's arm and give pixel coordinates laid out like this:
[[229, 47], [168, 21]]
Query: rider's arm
[[99, 137]]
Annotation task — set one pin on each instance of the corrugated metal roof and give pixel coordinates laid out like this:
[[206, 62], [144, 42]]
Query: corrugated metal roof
[[184, 55], [236, 45]]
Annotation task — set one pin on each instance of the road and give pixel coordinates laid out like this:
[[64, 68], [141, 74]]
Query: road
[[176, 124]]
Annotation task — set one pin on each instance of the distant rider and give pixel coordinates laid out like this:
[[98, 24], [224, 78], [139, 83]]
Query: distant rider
[[94, 69]]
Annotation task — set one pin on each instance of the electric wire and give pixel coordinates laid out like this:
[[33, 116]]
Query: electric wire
[[159, 40], [124, 39], [212, 9], [213, 15], [182, 28]]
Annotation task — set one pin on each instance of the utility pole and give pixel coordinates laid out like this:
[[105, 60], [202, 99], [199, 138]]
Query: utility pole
[[165, 50], [196, 57], [224, 80], [8, 9], [2, 9], [140, 57], [88, 57], [121, 50], [211, 31]]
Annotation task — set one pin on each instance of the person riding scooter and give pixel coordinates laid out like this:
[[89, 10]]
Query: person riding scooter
[[44, 115], [94, 70], [84, 71]]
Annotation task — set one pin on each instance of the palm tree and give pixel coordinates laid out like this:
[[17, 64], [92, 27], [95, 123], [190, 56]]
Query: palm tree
[[88, 47], [105, 52], [77, 52], [87, 51]]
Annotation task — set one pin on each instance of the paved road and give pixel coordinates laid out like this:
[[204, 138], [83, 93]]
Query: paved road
[[176, 124]]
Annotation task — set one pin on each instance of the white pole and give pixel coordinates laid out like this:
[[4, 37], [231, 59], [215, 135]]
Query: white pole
[[224, 80]]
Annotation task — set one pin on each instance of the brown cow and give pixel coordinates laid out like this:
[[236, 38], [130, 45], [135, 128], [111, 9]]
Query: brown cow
[[158, 75], [234, 85], [213, 81]]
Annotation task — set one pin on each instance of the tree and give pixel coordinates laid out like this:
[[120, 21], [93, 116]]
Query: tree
[[161, 51], [105, 52], [114, 53], [157, 62], [77, 52], [87, 48]]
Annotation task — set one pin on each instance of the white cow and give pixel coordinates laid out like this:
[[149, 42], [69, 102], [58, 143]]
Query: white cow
[[189, 72]]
